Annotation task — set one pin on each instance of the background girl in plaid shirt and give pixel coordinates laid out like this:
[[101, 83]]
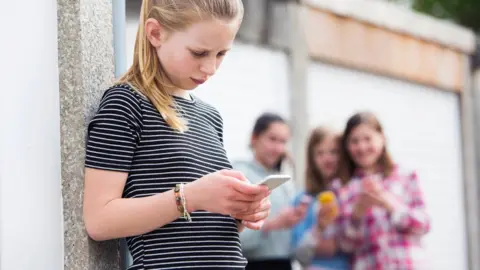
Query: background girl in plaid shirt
[[382, 212]]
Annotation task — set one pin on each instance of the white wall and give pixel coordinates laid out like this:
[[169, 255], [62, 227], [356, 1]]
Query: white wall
[[423, 130], [31, 223], [250, 81]]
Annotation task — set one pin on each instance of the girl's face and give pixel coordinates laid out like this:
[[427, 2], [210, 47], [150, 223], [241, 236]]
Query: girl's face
[[191, 56], [365, 146], [271, 145], [326, 156]]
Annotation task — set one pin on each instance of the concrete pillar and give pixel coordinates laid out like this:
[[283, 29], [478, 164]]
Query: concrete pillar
[[254, 26], [470, 112], [265, 23], [476, 100], [278, 25], [299, 61], [473, 212], [31, 233], [85, 40]]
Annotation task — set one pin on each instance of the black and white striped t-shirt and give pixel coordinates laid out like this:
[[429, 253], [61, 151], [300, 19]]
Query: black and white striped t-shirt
[[128, 134]]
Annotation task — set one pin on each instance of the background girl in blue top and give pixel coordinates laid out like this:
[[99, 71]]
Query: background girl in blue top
[[269, 248], [322, 163]]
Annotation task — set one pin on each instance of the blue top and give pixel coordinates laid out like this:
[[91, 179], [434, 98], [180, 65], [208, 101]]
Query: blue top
[[257, 245], [340, 261]]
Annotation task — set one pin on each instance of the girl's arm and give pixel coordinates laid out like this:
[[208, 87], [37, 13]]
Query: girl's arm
[[109, 216], [326, 248], [349, 225], [314, 244], [410, 217], [326, 245], [112, 139], [319, 240], [351, 232]]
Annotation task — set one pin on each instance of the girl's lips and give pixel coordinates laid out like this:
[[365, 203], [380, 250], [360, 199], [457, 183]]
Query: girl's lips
[[198, 81]]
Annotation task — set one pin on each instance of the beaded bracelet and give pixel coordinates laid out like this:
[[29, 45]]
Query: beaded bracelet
[[181, 202]]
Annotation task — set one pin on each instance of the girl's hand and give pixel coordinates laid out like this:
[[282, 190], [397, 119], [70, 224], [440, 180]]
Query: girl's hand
[[327, 215], [256, 219], [287, 218], [226, 192], [371, 195], [294, 215], [372, 185], [363, 203], [376, 195]]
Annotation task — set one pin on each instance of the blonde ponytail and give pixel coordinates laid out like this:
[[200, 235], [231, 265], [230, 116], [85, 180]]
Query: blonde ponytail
[[146, 74]]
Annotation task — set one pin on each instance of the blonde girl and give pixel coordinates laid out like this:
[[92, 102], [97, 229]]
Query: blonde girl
[[156, 169]]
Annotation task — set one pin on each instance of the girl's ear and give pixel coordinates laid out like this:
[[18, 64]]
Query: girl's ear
[[253, 140], [155, 32]]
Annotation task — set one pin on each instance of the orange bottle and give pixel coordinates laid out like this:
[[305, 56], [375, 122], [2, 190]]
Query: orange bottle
[[328, 197]]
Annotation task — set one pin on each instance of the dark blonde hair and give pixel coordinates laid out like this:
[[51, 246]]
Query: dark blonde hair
[[146, 73], [347, 166], [314, 180]]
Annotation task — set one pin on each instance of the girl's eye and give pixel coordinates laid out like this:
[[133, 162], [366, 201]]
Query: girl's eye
[[221, 54], [199, 54]]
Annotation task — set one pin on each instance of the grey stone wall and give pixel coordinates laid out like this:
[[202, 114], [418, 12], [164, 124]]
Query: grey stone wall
[[265, 22], [86, 68]]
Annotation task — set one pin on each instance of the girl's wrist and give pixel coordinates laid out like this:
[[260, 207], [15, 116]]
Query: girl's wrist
[[266, 226], [191, 198], [357, 213], [318, 230], [271, 225], [390, 203], [240, 226]]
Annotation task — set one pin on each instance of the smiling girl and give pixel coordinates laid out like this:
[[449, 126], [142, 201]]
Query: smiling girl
[[382, 210]]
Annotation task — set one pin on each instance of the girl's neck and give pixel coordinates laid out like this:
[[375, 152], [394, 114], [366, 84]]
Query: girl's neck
[[262, 164], [370, 170], [181, 93], [329, 179]]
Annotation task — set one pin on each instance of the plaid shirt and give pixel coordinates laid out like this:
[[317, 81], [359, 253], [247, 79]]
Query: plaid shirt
[[382, 240]]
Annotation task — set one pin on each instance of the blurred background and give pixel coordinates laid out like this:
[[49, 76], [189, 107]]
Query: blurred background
[[315, 62]]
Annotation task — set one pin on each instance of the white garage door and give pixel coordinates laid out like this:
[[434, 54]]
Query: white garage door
[[423, 130], [251, 81]]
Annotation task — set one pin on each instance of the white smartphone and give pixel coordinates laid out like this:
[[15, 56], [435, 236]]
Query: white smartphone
[[276, 180]]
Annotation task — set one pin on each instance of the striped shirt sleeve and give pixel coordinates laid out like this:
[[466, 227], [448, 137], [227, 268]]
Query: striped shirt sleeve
[[114, 131]]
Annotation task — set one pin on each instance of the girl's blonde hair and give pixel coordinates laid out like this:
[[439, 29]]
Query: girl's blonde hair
[[315, 182], [146, 74]]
